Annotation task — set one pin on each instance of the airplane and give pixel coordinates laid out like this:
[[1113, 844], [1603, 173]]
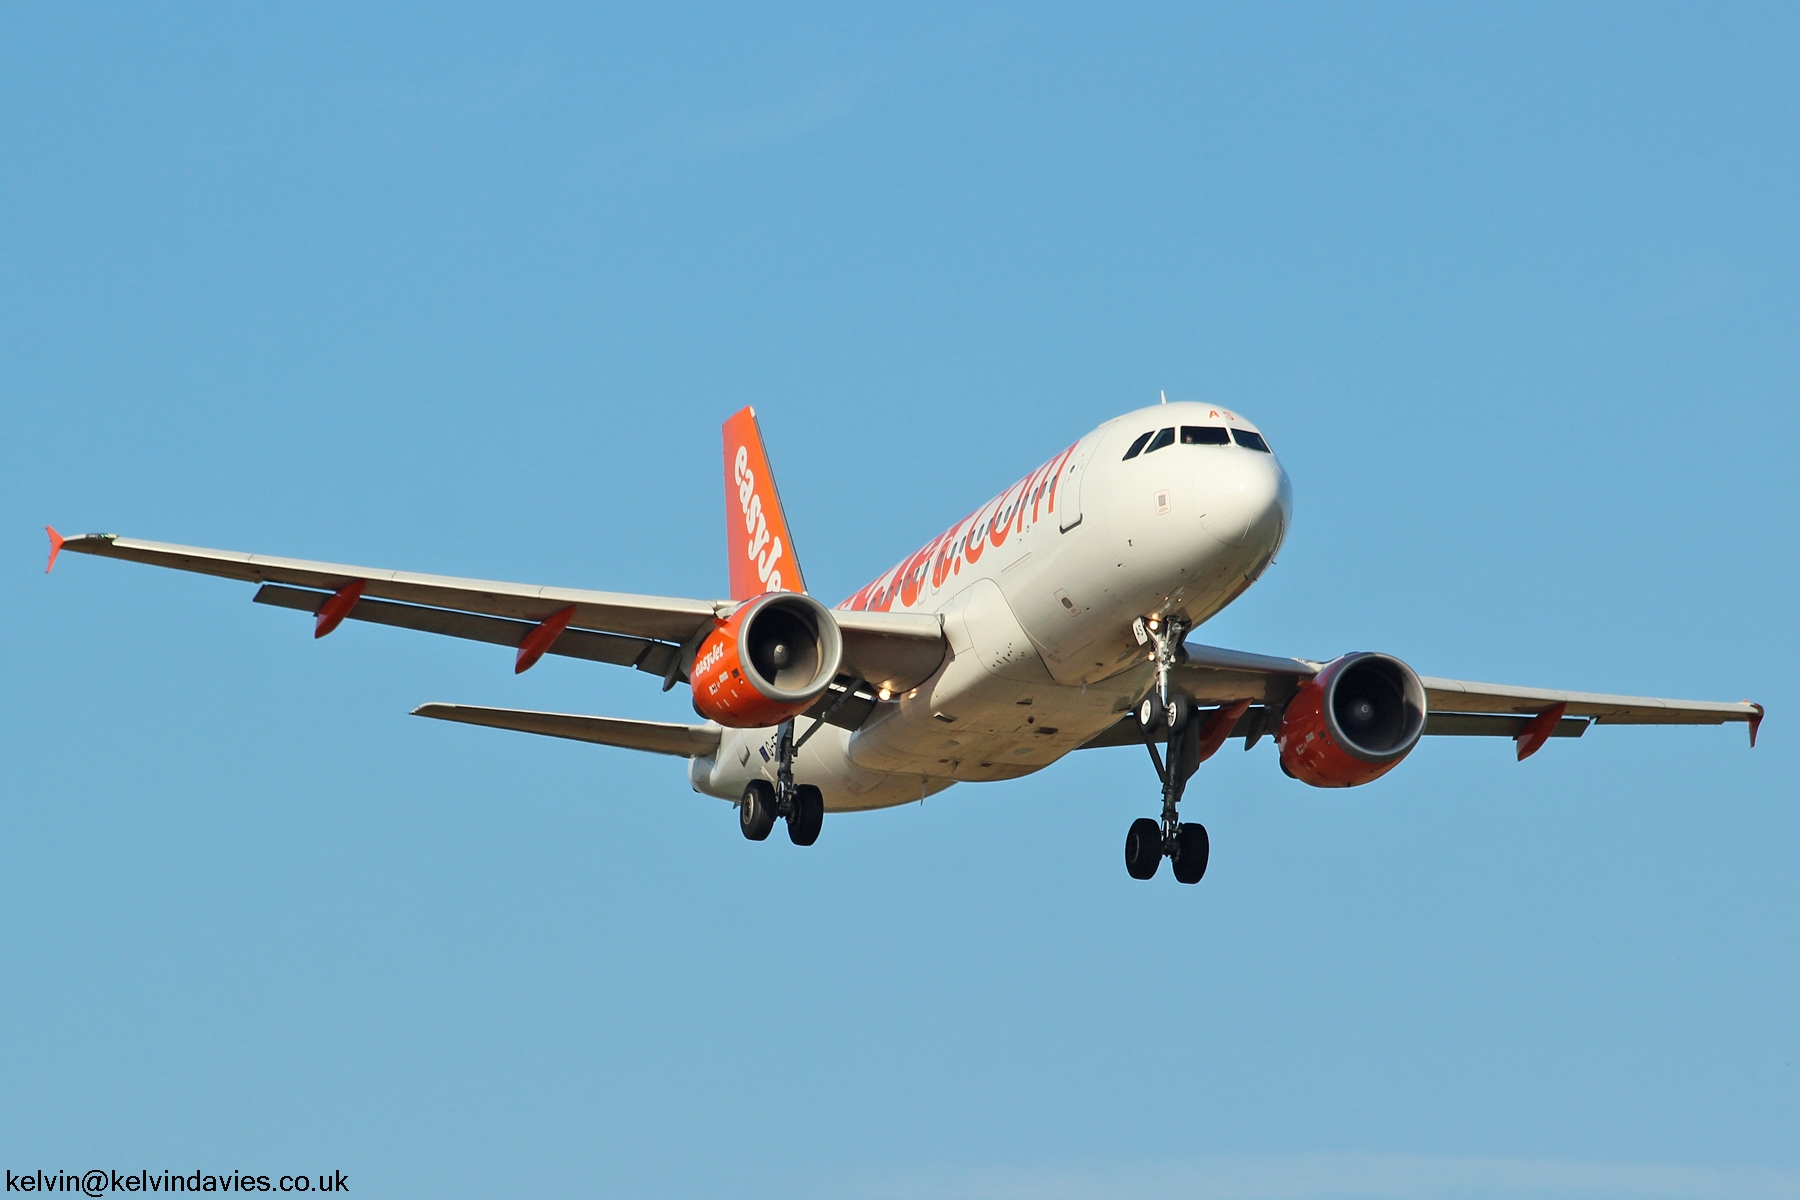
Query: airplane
[[1052, 618]]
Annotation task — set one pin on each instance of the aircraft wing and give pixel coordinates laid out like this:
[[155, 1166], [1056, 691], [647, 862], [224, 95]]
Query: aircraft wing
[[1448, 696], [1214, 674], [656, 634], [1455, 707]]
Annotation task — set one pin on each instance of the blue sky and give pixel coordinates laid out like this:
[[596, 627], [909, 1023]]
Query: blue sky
[[1512, 290]]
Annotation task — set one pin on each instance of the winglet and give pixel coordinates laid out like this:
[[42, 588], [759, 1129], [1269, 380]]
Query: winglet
[[56, 545], [1755, 722], [756, 533]]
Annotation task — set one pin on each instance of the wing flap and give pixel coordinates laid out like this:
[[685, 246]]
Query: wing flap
[[1452, 724], [656, 737], [1257, 722], [896, 651], [1213, 675], [645, 655]]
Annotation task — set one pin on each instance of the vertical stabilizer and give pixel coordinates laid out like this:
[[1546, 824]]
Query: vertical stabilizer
[[761, 550]]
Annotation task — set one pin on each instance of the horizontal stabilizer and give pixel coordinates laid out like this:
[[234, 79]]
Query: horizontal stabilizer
[[657, 737]]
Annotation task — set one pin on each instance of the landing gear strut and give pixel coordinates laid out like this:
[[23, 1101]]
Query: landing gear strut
[[1149, 840], [802, 805]]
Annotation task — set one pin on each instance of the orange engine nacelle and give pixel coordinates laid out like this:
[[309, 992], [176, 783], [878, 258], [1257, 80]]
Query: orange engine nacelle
[[1352, 722], [770, 660]]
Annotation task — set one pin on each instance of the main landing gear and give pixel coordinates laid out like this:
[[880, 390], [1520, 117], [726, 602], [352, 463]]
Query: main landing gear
[[1149, 840], [802, 805]]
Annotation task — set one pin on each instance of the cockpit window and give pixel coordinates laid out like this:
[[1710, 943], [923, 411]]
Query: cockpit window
[[1136, 446], [1250, 441], [1204, 435], [1164, 437]]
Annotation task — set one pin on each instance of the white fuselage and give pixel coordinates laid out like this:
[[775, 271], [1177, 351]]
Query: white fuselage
[[1038, 590]]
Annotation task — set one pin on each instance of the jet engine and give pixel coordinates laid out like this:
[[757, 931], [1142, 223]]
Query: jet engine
[[1352, 722], [767, 662]]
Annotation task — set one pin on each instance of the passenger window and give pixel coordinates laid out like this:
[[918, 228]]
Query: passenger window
[[1250, 441], [1164, 437], [1136, 446], [1203, 435]]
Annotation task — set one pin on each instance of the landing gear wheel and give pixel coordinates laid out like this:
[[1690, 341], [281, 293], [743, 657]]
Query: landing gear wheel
[[756, 811], [1177, 712], [1150, 713], [1143, 848], [808, 815], [1192, 849]]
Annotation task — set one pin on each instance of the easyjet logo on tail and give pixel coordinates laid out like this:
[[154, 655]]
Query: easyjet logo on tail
[[760, 549], [764, 549]]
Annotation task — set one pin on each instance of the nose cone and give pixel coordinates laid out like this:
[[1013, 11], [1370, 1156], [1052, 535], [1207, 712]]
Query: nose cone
[[1246, 499]]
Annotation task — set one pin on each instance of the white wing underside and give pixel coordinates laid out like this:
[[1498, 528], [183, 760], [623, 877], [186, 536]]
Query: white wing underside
[[1461, 696], [894, 649], [900, 650], [1218, 675]]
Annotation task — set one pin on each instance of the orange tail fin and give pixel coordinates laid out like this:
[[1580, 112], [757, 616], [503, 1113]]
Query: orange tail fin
[[756, 531]]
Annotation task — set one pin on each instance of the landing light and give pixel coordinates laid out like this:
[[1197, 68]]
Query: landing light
[[885, 694]]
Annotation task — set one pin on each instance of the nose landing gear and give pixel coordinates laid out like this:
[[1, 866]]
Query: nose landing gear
[[1149, 841]]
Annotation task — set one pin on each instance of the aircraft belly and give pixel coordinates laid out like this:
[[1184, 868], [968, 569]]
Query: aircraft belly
[[822, 762], [991, 712]]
